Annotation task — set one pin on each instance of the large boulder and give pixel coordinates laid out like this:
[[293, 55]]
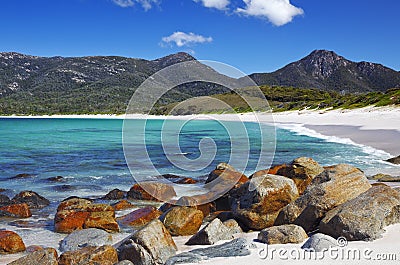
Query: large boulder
[[302, 171], [182, 220], [31, 198], [320, 243], [364, 217], [152, 244], [283, 234], [10, 242], [104, 255], [153, 191], [75, 214], [140, 217], [259, 201], [20, 210], [46, 256], [211, 234], [333, 187], [90, 237], [235, 248]]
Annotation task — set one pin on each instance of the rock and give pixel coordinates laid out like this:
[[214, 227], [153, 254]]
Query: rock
[[56, 179], [194, 201], [153, 191], [122, 205], [90, 237], [20, 210], [64, 188], [182, 220], [152, 244], [104, 255], [4, 200], [394, 160], [23, 176], [46, 256], [227, 176], [259, 201], [186, 181], [211, 233], [336, 185], [223, 166], [125, 262], [389, 178], [233, 226], [302, 171], [10, 242], [34, 200], [283, 234], [235, 248], [75, 214], [378, 176], [364, 217], [115, 194], [140, 217], [319, 243]]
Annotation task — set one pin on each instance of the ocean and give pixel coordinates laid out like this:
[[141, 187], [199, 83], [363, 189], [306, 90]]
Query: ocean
[[89, 153]]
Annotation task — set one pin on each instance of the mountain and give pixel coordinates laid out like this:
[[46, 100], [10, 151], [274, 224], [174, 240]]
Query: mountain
[[105, 84], [95, 84], [328, 71]]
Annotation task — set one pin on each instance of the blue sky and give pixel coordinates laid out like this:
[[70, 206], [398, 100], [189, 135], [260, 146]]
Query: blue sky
[[252, 35]]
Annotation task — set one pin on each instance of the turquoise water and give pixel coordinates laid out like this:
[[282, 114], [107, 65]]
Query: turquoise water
[[88, 153]]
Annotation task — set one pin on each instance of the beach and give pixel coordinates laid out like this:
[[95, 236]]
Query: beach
[[373, 129]]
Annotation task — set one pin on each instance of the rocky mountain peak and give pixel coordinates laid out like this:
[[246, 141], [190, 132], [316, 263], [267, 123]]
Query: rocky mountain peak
[[321, 64], [174, 58]]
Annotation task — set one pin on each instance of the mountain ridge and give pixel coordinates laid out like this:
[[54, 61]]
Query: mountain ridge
[[105, 84]]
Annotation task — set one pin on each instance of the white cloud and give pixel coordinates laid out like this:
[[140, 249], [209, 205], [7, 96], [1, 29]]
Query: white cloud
[[183, 39], [218, 4], [278, 12], [146, 4]]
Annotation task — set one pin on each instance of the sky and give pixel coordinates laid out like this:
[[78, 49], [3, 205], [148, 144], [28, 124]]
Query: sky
[[251, 35]]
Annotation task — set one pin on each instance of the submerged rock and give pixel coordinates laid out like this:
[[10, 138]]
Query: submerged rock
[[4, 200], [34, 200], [23, 176], [104, 255], [46, 256], [182, 220], [394, 160], [90, 237], [153, 191], [235, 248], [260, 200], [56, 179], [151, 244], [10, 242], [283, 234], [333, 187], [364, 217]]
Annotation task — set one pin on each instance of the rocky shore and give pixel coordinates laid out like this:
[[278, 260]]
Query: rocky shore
[[297, 203]]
